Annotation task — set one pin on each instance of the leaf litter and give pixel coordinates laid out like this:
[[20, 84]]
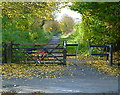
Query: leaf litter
[[30, 71]]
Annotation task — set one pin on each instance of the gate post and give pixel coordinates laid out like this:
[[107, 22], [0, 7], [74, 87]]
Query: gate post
[[107, 57], [77, 48], [9, 52], [110, 54], [64, 52], [4, 60]]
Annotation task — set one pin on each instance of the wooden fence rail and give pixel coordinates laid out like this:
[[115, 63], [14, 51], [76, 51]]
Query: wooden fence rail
[[109, 54]]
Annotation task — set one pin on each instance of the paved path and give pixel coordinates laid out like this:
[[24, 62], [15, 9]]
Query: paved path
[[80, 78]]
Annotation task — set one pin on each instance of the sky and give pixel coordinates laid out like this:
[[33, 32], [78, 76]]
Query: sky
[[66, 11]]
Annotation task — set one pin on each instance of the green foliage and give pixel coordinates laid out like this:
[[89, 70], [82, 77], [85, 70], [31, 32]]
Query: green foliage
[[35, 36], [74, 38], [99, 24], [0, 37], [22, 21], [99, 21]]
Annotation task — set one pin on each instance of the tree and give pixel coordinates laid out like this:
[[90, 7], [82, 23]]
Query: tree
[[27, 14], [21, 19], [99, 21], [66, 23], [51, 26]]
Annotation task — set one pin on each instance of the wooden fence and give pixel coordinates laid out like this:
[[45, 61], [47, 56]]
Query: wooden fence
[[108, 54], [18, 52]]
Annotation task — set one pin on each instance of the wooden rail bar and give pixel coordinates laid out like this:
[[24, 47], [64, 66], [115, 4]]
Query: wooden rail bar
[[55, 56], [71, 44], [51, 60], [59, 63], [71, 55], [99, 46], [33, 44], [99, 54], [14, 56], [57, 52], [37, 48], [19, 52], [27, 56], [32, 52]]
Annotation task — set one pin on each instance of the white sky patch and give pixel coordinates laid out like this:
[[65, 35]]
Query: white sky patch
[[66, 11]]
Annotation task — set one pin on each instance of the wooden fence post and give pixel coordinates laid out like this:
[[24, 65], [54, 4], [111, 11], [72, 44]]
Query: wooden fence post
[[89, 48], [64, 52], [77, 48], [90, 51], [110, 54], [9, 52], [4, 53], [107, 57]]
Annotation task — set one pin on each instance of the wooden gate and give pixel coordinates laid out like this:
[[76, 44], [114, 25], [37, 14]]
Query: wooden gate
[[30, 53]]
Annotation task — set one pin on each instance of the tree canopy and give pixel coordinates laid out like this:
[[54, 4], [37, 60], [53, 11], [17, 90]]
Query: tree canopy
[[100, 21]]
